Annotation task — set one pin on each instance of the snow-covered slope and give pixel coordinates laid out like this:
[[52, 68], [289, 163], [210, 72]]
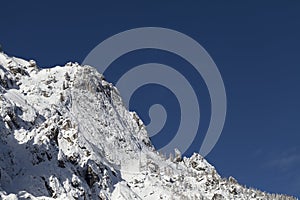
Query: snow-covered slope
[[65, 134]]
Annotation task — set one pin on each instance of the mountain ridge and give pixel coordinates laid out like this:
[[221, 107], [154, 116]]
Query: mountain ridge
[[65, 134]]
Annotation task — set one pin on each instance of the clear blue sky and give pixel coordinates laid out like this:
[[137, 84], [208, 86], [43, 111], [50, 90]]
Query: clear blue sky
[[256, 46]]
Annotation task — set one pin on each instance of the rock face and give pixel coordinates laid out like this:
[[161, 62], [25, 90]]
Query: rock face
[[65, 134]]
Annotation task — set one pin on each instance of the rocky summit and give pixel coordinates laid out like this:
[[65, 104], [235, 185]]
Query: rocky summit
[[65, 134]]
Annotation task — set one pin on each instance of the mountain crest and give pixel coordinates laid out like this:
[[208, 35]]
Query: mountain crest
[[65, 134]]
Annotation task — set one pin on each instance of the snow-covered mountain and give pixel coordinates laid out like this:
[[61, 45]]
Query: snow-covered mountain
[[65, 134]]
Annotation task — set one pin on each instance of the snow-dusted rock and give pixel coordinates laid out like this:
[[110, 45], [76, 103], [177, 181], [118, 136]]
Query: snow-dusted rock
[[65, 134]]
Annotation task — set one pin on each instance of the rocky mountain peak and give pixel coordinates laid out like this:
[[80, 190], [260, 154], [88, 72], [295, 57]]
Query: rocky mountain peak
[[65, 134]]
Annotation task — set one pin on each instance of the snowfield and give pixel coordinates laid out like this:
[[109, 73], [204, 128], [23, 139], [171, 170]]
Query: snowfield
[[65, 134]]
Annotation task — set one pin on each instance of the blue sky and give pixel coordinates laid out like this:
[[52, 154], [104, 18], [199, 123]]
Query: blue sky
[[256, 46]]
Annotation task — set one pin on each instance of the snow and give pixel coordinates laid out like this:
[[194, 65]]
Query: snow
[[65, 134]]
